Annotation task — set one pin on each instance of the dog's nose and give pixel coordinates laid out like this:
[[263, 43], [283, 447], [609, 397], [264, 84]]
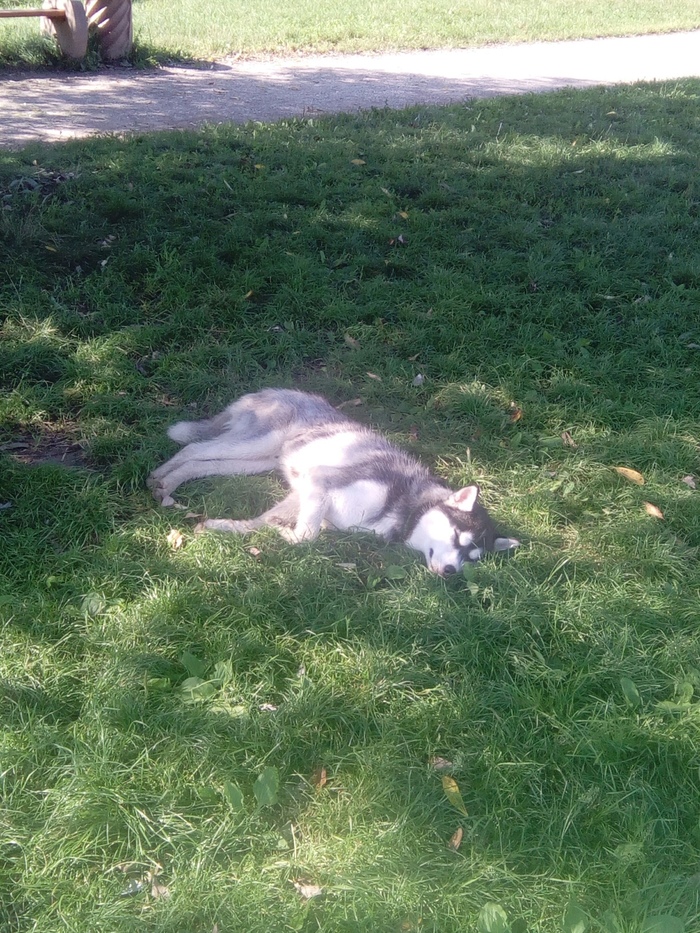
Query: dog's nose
[[448, 569]]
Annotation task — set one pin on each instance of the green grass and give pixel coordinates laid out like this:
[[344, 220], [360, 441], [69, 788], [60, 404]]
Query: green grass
[[181, 29], [550, 262]]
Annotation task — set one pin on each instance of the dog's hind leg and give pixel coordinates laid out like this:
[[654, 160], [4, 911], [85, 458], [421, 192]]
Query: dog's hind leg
[[223, 456], [282, 516]]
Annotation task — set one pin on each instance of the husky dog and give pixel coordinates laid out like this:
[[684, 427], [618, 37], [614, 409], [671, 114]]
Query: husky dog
[[340, 475]]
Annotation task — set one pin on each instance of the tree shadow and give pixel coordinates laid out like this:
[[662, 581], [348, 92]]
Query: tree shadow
[[513, 674]]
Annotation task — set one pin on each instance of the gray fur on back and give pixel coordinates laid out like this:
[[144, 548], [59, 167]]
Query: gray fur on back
[[269, 408]]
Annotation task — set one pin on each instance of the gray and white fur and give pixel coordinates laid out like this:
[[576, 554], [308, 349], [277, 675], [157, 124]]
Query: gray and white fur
[[340, 475]]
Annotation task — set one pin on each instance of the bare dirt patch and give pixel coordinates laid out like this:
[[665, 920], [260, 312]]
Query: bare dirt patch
[[50, 445]]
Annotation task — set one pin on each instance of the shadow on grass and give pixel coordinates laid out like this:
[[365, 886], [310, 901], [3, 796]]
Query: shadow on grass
[[544, 290]]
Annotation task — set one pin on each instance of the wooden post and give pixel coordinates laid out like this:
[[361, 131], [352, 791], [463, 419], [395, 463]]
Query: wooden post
[[112, 20]]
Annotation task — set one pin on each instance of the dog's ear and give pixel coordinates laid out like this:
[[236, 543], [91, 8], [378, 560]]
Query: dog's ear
[[505, 544], [464, 499]]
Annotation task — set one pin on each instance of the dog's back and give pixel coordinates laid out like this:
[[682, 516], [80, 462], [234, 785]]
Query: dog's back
[[258, 413]]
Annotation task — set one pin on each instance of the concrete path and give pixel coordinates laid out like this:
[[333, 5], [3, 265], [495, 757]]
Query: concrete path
[[53, 107]]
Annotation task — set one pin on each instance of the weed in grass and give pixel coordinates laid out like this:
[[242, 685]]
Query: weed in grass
[[546, 293]]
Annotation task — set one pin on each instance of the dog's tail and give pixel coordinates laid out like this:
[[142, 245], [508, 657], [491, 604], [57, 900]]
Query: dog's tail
[[184, 432]]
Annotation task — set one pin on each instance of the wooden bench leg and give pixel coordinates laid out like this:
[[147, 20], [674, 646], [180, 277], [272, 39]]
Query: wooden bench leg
[[71, 31]]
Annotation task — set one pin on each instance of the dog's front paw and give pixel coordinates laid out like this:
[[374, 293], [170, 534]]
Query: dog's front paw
[[160, 494]]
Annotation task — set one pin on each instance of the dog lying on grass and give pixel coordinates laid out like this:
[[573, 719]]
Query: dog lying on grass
[[340, 475]]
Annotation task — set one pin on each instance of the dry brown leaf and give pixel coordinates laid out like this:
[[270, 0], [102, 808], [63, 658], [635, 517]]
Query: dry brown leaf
[[319, 778], [413, 432], [159, 891], [653, 510], [175, 539], [689, 481], [516, 413], [306, 888], [456, 839], [352, 403], [568, 440], [351, 342], [374, 376], [357, 162], [255, 552], [633, 475], [453, 794], [440, 764], [403, 214]]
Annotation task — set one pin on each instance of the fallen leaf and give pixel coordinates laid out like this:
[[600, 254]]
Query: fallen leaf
[[403, 214], [440, 764], [175, 539], [568, 440], [194, 515], [351, 342], [456, 839], [413, 432], [632, 475], [357, 162], [159, 891], [255, 552], [653, 510], [451, 788], [374, 376], [689, 481], [319, 778], [354, 402], [268, 708], [515, 413], [249, 294], [306, 888]]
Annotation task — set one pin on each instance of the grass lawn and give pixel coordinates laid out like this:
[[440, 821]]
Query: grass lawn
[[182, 29], [197, 736]]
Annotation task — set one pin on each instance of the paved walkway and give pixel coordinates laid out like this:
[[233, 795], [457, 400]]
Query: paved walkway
[[54, 107]]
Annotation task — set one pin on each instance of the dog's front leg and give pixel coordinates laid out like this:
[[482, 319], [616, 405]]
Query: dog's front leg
[[282, 516], [312, 512]]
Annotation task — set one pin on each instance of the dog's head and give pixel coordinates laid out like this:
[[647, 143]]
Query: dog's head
[[455, 532]]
